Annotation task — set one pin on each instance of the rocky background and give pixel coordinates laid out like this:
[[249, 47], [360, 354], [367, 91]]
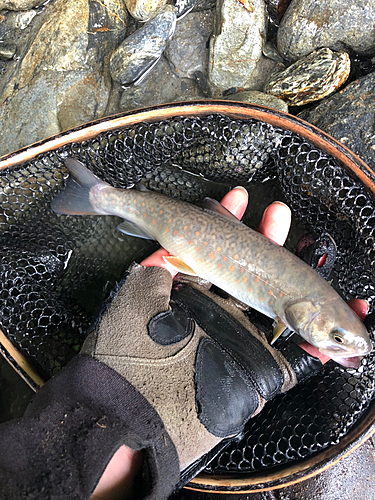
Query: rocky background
[[66, 62]]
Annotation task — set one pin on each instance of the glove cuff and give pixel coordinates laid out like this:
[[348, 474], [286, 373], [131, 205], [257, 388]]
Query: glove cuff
[[72, 428]]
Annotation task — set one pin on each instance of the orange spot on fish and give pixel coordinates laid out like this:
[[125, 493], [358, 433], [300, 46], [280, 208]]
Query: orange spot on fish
[[176, 233], [205, 243], [159, 226], [242, 269], [144, 215], [167, 230], [236, 256], [258, 279], [134, 201], [153, 222], [121, 203], [143, 204], [189, 242], [237, 281], [261, 299], [271, 302], [201, 260], [185, 227], [231, 268], [270, 292], [152, 209], [199, 249], [197, 233], [181, 235], [245, 279], [266, 282], [211, 255], [250, 290], [161, 211], [281, 294], [225, 258], [169, 220], [130, 209], [218, 249]]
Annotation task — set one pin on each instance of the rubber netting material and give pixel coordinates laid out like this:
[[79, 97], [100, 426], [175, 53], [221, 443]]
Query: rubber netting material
[[55, 271]]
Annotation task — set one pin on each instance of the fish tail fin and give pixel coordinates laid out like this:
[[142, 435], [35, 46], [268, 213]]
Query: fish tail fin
[[75, 198]]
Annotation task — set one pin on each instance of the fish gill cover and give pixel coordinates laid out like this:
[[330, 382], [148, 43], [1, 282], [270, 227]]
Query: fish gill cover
[[56, 271]]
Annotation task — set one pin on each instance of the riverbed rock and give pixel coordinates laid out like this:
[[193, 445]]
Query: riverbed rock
[[311, 78], [349, 116], [337, 24], [143, 10], [187, 51], [140, 51], [237, 42], [161, 85], [255, 97], [20, 4], [61, 79]]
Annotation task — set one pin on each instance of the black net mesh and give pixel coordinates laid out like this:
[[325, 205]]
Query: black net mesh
[[56, 270]]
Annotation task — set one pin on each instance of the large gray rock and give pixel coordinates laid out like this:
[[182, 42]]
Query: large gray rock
[[140, 51], [61, 80], [349, 116], [237, 43], [187, 51], [161, 85], [337, 24]]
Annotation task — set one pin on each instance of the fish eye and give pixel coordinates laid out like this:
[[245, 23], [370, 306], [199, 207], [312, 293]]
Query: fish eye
[[338, 337]]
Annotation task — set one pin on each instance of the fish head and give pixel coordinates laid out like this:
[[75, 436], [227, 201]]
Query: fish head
[[331, 326]]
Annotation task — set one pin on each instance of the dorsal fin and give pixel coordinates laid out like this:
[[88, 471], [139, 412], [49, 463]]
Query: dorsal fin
[[215, 206]]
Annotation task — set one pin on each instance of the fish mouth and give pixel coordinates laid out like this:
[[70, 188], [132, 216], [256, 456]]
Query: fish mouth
[[343, 358]]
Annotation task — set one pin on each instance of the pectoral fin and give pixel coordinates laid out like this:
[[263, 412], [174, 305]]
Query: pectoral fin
[[179, 265], [130, 229], [278, 330]]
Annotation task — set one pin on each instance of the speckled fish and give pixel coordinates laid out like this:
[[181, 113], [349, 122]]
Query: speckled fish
[[213, 244]]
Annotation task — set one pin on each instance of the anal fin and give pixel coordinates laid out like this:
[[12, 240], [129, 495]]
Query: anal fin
[[179, 265]]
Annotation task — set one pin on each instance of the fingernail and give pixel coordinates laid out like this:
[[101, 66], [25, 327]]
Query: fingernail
[[242, 189]]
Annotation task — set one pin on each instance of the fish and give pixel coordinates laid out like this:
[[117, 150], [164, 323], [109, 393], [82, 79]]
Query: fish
[[212, 243]]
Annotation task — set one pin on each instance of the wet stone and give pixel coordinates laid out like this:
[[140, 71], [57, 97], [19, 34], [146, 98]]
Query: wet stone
[[337, 24], [237, 42], [143, 10], [310, 79], [7, 51], [349, 117], [261, 98], [140, 51], [59, 85], [185, 6], [161, 85], [20, 4], [187, 51]]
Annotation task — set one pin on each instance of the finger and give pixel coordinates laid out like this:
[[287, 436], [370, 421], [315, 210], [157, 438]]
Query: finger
[[275, 223], [236, 201], [360, 307], [156, 259]]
